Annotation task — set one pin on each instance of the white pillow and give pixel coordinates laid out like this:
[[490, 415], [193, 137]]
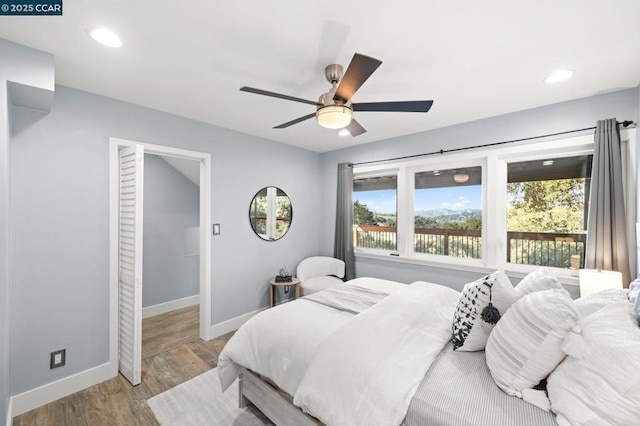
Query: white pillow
[[600, 384], [538, 280], [525, 345], [587, 305], [470, 331]]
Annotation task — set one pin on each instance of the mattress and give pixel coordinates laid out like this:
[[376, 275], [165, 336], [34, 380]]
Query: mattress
[[458, 390]]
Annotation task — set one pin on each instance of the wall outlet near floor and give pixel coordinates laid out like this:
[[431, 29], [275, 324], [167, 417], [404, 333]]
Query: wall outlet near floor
[[57, 359]]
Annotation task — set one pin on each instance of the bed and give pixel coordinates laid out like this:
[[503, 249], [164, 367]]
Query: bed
[[368, 352]]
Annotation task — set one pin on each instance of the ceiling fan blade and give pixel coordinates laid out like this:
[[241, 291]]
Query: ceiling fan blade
[[399, 106], [277, 95], [296, 121], [359, 70], [355, 129]]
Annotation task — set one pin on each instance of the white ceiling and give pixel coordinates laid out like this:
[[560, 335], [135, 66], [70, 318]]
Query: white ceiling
[[475, 59]]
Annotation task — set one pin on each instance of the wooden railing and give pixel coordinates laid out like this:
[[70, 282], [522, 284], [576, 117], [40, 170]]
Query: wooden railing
[[448, 242], [546, 249], [560, 250], [375, 237]]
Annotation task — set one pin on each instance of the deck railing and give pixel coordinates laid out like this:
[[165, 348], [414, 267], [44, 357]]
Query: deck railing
[[546, 249], [559, 250]]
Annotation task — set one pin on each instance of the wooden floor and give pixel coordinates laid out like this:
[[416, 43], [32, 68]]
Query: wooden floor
[[172, 353]]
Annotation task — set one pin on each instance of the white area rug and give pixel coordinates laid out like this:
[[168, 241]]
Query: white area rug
[[200, 401]]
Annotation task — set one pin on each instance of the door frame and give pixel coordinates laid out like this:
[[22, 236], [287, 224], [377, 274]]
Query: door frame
[[115, 144]]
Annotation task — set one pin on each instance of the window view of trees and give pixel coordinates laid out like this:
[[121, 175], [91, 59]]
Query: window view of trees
[[546, 206], [375, 212], [546, 211], [363, 216], [448, 212]]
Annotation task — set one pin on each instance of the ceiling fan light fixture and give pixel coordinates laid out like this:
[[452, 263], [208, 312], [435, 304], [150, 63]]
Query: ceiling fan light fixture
[[461, 178], [334, 116]]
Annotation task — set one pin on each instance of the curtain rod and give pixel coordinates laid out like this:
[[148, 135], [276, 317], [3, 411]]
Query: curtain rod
[[625, 123]]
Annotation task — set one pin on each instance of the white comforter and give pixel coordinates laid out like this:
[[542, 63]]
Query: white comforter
[[366, 372], [279, 342], [344, 368]]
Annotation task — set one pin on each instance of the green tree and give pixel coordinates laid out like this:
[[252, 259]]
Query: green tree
[[362, 215], [546, 206], [473, 222]]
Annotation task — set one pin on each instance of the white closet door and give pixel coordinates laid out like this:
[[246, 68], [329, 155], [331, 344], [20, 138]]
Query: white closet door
[[130, 262]]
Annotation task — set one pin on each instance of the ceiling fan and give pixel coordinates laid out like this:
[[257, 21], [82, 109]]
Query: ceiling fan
[[334, 109]]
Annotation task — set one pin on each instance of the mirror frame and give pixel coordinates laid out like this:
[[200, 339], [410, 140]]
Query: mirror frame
[[271, 193]]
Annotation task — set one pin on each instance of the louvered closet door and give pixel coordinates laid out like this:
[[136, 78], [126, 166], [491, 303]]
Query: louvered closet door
[[130, 262]]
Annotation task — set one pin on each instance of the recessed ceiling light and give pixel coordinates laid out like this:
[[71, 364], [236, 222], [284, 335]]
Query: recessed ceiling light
[[558, 76], [344, 132], [105, 37]]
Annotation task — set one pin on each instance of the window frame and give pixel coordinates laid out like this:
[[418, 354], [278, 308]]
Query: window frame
[[494, 161], [410, 213], [378, 172]]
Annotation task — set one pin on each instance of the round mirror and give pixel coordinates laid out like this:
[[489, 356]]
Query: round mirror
[[270, 213]]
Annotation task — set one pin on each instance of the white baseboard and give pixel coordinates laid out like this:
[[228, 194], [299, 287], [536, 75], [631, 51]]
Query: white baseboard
[[9, 413], [163, 308], [34, 398], [231, 324]]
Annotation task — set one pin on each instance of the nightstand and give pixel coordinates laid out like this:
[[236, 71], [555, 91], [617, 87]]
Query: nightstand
[[295, 283]]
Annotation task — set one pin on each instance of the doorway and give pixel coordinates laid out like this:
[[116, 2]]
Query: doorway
[[170, 266], [127, 333]]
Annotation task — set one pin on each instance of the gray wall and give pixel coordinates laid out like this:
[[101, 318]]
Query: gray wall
[[59, 212], [26, 78], [171, 205], [577, 114]]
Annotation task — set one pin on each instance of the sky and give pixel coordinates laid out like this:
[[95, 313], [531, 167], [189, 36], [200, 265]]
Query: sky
[[454, 198]]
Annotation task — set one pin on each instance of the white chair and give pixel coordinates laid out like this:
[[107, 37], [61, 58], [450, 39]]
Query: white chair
[[318, 273]]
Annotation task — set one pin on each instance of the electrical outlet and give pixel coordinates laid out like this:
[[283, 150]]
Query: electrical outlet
[[57, 359]]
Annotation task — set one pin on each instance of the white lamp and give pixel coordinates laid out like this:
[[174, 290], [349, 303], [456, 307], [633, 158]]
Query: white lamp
[[334, 116], [592, 280]]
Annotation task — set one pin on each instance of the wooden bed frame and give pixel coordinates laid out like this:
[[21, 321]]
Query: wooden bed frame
[[272, 401]]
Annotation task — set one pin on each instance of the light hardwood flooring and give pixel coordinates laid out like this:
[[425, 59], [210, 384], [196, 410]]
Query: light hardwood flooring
[[172, 353]]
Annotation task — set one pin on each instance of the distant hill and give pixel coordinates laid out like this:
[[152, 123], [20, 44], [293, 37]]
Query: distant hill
[[447, 215]]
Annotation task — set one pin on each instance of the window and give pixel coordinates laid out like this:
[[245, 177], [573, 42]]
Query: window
[[375, 212], [547, 203], [514, 207], [448, 212]]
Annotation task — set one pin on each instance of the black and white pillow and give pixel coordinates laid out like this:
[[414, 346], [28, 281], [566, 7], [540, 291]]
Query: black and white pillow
[[480, 306]]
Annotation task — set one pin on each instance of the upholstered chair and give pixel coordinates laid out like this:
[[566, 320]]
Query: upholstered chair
[[318, 273]]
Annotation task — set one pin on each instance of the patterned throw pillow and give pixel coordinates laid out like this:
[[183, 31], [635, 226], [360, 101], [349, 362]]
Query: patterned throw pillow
[[480, 306]]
